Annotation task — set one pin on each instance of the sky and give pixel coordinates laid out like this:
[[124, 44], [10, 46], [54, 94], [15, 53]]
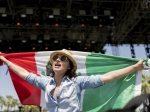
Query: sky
[[6, 87]]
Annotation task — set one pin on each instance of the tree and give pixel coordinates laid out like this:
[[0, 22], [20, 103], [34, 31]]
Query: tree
[[30, 108], [145, 89], [145, 84], [14, 103], [1, 103], [9, 103]]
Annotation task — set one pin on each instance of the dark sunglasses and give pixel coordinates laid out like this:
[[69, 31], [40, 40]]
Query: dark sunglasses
[[62, 58]]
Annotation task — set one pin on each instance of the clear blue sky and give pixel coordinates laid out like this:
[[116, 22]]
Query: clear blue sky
[[6, 87]]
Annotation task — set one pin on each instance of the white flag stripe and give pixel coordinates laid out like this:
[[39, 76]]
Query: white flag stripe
[[138, 83], [41, 59], [81, 68]]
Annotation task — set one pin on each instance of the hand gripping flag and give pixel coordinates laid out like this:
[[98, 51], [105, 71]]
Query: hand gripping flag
[[113, 95]]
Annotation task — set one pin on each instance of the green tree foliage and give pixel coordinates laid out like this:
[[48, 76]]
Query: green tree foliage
[[30, 108], [10, 104], [145, 84], [2, 103]]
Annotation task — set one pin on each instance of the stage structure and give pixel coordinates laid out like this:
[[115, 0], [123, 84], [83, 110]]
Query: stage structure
[[83, 25]]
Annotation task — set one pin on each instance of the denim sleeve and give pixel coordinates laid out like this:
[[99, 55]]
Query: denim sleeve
[[37, 81], [86, 82]]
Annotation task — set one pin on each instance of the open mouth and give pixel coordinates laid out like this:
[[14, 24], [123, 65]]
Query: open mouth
[[57, 65]]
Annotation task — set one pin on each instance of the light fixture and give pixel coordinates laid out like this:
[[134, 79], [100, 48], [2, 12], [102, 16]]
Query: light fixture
[[29, 11], [37, 24], [107, 12], [78, 41], [51, 16], [100, 25], [93, 42], [4, 15], [69, 16], [18, 23], [33, 37], [82, 25], [33, 48], [69, 48], [56, 11], [56, 24], [2, 10], [46, 48], [46, 37], [55, 41], [82, 12], [111, 17], [23, 15], [24, 41], [95, 17], [9, 48], [40, 41], [85, 48]]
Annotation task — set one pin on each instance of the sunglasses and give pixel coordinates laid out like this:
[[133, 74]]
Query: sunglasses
[[62, 58]]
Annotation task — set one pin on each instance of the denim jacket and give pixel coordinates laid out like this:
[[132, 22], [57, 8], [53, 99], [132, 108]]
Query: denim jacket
[[69, 93]]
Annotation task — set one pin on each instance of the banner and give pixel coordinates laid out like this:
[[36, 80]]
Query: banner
[[113, 95]]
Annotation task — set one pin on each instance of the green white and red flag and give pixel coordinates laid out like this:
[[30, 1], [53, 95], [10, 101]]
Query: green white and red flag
[[113, 95]]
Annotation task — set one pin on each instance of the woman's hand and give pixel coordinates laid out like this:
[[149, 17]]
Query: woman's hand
[[3, 59], [116, 74], [21, 72], [139, 65]]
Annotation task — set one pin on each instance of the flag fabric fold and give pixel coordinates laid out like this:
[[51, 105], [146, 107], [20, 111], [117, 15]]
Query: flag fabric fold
[[113, 95]]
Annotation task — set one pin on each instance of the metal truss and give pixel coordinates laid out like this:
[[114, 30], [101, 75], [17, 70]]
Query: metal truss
[[132, 12], [132, 21], [147, 47], [147, 50], [132, 50]]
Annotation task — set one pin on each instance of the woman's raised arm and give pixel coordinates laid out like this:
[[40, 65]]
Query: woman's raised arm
[[15, 68]]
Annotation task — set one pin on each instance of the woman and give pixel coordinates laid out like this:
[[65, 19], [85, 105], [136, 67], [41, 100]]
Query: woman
[[62, 90]]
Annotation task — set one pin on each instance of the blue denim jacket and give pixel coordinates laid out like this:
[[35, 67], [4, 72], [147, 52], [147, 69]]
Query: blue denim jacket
[[69, 93]]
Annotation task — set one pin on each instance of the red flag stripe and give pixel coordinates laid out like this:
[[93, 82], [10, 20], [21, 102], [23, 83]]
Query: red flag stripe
[[25, 91]]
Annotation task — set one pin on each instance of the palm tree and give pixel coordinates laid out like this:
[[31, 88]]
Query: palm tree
[[1, 103], [14, 103], [145, 88], [8, 102], [30, 108], [145, 84]]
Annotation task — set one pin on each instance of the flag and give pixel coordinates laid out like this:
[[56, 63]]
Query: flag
[[113, 95]]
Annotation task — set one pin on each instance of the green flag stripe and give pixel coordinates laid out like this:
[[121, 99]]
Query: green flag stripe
[[112, 95]]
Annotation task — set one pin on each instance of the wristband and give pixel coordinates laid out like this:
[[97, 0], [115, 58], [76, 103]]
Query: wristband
[[9, 64]]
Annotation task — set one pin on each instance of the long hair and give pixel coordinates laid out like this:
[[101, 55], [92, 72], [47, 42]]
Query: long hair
[[70, 72]]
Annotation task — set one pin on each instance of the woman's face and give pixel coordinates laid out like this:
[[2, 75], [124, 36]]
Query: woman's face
[[60, 64]]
